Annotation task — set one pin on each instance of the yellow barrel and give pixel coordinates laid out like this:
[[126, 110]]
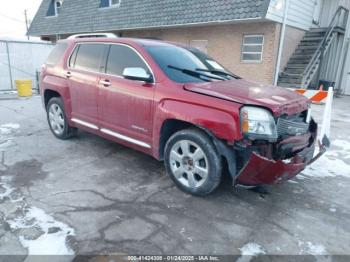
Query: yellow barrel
[[24, 87]]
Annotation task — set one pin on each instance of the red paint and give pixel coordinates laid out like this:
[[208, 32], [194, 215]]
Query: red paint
[[138, 110], [260, 170], [278, 100]]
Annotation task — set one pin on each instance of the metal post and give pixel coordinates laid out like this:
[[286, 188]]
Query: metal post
[[27, 23], [9, 63], [37, 77], [346, 18], [320, 67], [281, 44]]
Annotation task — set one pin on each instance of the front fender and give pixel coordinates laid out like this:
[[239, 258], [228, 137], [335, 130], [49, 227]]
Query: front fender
[[221, 124]]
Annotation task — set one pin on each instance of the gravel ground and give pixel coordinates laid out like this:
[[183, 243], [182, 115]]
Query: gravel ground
[[89, 196]]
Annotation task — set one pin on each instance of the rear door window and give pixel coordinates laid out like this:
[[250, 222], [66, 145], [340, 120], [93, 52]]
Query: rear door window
[[121, 57], [88, 57], [56, 54]]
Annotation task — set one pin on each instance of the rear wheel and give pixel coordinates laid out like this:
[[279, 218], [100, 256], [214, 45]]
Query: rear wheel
[[192, 162], [57, 119]]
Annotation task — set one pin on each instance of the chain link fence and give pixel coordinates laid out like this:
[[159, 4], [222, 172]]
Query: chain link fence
[[21, 60]]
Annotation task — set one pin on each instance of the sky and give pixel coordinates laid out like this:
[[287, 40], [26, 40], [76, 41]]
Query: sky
[[12, 22]]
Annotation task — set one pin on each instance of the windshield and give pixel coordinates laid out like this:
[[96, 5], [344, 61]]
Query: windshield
[[187, 65]]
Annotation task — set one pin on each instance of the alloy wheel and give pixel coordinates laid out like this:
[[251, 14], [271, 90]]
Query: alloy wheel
[[56, 119], [189, 163]]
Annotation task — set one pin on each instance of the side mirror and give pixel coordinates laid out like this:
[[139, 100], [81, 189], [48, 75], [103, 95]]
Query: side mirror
[[137, 73]]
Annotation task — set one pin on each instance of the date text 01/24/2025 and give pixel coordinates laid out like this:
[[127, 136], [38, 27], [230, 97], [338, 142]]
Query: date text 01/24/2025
[[173, 258]]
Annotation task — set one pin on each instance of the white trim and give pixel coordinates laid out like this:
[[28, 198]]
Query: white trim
[[253, 35], [215, 22], [107, 35], [51, 16], [281, 42], [115, 5], [112, 133], [83, 123], [110, 5], [125, 138]]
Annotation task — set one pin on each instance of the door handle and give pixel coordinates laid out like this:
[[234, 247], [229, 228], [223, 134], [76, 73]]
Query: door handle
[[68, 74], [105, 83]]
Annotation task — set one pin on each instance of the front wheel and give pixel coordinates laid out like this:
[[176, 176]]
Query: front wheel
[[192, 162]]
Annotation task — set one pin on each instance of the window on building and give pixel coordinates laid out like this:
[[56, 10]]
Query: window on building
[[54, 7], [110, 3], [121, 57], [252, 48], [88, 57]]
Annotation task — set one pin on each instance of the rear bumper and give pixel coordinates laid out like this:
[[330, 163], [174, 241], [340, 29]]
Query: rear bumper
[[260, 170]]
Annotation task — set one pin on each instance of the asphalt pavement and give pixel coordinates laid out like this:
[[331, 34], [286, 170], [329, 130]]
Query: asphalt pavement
[[88, 196]]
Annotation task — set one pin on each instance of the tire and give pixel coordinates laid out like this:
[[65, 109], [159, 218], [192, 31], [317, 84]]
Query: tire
[[57, 119], [192, 162]]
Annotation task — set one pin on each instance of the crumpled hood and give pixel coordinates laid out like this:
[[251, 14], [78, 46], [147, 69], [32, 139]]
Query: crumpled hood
[[279, 100]]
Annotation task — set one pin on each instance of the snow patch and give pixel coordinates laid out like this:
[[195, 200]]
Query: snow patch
[[327, 167], [330, 164], [333, 209], [312, 249], [5, 131], [11, 126], [316, 249], [5, 191], [344, 152], [5, 144], [53, 241], [48, 243], [252, 249], [249, 251], [342, 144]]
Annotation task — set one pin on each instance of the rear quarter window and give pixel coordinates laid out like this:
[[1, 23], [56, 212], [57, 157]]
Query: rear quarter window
[[56, 54]]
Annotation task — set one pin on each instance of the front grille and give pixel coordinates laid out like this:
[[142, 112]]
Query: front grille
[[291, 128]]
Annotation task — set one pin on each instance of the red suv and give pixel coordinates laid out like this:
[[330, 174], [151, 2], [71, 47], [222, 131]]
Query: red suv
[[178, 105]]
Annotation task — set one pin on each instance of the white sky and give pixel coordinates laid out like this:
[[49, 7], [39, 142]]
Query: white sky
[[12, 22]]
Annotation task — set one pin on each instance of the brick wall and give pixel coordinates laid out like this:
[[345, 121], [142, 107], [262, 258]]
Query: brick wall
[[224, 44]]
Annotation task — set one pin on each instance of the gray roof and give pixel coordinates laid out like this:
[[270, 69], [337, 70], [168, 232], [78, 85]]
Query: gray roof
[[80, 16]]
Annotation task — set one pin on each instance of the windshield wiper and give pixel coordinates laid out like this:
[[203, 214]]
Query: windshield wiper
[[196, 73], [219, 72]]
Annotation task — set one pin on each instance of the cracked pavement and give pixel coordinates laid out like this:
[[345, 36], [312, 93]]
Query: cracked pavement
[[90, 196]]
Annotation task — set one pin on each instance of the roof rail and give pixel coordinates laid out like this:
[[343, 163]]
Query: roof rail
[[92, 35]]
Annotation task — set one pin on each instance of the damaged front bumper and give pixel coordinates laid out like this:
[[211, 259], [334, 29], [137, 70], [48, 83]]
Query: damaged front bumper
[[260, 170]]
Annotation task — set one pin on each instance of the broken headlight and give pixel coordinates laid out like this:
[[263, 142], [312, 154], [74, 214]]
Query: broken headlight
[[258, 123]]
